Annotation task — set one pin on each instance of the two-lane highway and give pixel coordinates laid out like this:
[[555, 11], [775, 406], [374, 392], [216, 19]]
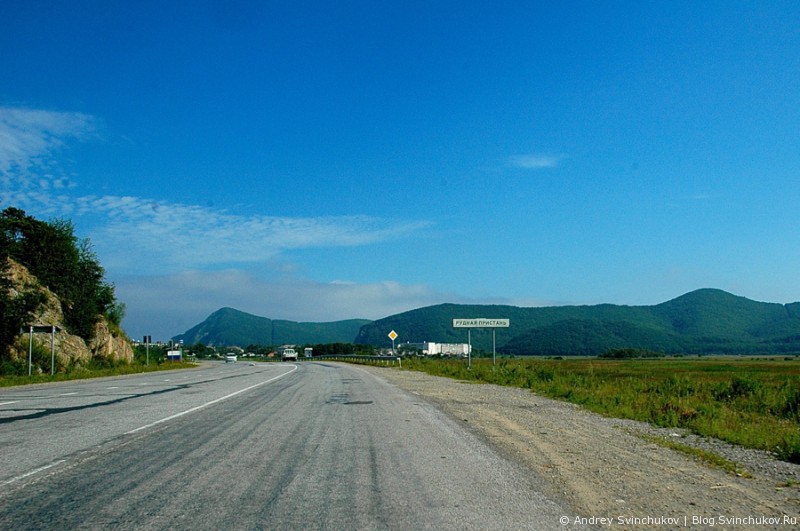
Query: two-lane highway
[[239, 446]]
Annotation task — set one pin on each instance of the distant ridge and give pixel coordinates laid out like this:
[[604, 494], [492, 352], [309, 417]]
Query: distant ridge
[[705, 321], [228, 326]]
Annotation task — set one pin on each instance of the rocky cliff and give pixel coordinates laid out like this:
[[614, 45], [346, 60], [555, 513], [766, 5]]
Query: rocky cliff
[[69, 349]]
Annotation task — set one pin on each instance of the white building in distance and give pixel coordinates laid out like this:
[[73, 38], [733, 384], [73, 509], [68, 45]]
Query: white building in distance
[[443, 349]]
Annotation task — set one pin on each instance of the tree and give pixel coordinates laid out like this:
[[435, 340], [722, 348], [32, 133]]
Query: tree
[[66, 265]]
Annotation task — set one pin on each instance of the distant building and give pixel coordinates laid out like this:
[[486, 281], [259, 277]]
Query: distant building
[[428, 348]]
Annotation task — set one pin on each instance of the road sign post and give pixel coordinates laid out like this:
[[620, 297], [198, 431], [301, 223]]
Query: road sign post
[[469, 349], [147, 341], [481, 322], [392, 336], [30, 350], [44, 329]]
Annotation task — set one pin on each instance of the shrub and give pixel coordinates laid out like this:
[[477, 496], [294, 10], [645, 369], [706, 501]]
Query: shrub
[[790, 449], [791, 405]]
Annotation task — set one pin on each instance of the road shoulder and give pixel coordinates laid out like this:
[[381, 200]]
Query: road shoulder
[[602, 467]]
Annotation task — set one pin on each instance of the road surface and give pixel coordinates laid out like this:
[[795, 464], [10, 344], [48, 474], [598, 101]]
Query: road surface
[[252, 446]]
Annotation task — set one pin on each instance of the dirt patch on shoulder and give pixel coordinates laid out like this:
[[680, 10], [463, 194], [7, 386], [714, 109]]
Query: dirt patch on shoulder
[[604, 469]]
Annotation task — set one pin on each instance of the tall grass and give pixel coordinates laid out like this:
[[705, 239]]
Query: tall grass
[[749, 402]]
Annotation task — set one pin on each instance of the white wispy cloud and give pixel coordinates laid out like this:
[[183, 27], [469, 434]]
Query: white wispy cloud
[[148, 235], [28, 136], [176, 236], [536, 161]]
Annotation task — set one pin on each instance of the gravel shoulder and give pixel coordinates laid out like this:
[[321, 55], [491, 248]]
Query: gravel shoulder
[[603, 466]]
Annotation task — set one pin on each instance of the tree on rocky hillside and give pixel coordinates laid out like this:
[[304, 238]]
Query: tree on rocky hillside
[[63, 263]]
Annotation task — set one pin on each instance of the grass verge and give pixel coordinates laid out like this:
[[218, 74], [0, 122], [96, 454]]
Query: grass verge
[[754, 403], [80, 373]]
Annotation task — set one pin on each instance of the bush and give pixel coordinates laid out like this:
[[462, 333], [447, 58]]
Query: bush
[[789, 450], [13, 368], [738, 387], [630, 353], [791, 406], [41, 360]]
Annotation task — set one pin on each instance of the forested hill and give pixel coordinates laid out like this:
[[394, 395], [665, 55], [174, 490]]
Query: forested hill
[[706, 321], [703, 321], [227, 326]]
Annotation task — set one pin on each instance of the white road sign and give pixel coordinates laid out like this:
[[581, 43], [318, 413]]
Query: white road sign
[[481, 323]]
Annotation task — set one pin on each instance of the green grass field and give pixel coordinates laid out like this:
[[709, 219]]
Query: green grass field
[[746, 401]]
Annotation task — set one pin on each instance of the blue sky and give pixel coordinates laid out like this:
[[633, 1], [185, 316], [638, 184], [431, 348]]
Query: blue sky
[[317, 161]]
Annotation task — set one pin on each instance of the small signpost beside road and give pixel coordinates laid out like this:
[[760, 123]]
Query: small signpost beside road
[[480, 322], [43, 329], [392, 336], [147, 340]]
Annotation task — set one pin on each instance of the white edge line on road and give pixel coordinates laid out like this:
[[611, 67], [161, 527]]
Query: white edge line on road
[[201, 406], [7, 403], [32, 472]]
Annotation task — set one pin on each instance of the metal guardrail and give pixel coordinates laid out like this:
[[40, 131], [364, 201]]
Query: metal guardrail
[[362, 359]]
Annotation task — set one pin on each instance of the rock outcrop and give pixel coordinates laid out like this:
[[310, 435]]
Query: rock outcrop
[[69, 349], [106, 345]]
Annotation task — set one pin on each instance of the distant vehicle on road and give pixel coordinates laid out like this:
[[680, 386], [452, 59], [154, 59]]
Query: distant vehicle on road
[[289, 354], [230, 358]]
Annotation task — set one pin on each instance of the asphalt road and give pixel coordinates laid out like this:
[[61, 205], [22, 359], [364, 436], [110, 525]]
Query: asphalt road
[[238, 446]]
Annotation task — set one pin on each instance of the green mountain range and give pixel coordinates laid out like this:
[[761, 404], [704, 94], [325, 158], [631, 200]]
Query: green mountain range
[[227, 326], [706, 321], [701, 322]]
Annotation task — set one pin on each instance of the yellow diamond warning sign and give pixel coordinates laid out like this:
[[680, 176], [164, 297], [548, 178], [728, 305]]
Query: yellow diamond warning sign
[[392, 335]]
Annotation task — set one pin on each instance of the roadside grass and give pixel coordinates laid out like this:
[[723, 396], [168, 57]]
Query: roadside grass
[[751, 402], [93, 371]]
